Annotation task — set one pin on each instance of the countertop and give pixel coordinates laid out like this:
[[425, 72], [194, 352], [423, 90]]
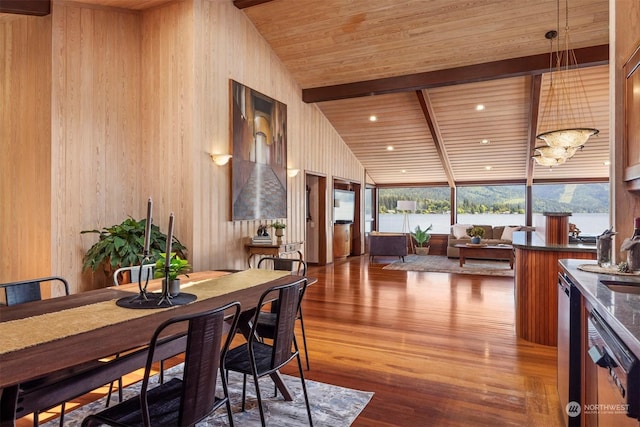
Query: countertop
[[532, 241], [620, 310]]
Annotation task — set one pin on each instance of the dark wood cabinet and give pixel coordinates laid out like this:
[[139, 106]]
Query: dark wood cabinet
[[632, 122]]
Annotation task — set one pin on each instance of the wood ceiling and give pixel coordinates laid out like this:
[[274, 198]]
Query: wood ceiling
[[422, 67]]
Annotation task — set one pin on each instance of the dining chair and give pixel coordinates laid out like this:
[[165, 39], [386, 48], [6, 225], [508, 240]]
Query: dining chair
[[30, 290], [266, 321], [134, 273], [185, 401], [257, 358], [27, 291]]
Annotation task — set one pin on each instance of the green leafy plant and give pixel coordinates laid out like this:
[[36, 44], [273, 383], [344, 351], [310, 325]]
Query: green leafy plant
[[121, 245], [177, 266], [422, 236], [278, 225], [476, 232]]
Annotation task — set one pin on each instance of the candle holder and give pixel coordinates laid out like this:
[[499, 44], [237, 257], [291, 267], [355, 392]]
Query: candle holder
[[142, 295], [165, 296]]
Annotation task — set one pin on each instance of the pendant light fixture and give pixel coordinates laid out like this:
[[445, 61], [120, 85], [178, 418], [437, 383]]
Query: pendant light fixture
[[566, 122]]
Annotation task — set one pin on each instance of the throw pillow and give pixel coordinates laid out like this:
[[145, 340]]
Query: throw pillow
[[460, 230], [507, 234]]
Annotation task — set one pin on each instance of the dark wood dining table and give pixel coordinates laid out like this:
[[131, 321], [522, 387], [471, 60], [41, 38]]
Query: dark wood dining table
[[42, 359]]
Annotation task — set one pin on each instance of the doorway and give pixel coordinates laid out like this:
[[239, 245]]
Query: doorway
[[316, 218]]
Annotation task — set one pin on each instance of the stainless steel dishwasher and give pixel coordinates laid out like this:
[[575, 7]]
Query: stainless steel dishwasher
[[618, 377], [569, 338]]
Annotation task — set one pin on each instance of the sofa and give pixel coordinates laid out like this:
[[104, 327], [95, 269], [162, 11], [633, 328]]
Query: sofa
[[387, 244], [493, 235]]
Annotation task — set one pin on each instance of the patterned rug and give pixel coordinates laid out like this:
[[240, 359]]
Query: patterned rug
[[331, 405], [442, 264]]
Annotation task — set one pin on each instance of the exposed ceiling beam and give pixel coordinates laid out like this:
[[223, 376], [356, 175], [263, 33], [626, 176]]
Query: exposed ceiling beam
[[243, 4], [427, 111], [535, 64], [26, 7], [534, 107]]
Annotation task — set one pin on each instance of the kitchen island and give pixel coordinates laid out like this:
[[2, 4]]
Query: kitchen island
[[536, 289]]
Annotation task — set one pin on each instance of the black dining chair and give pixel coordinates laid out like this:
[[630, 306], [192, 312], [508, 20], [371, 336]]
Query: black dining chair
[[31, 290], [257, 358], [266, 321], [186, 401], [132, 274], [27, 291]]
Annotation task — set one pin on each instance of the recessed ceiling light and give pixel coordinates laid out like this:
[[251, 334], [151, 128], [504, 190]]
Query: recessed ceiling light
[[404, 171], [606, 163], [485, 141], [479, 107], [373, 118], [390, 148], [488, 168]]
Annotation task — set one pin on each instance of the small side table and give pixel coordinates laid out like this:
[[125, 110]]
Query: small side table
[[274, 250]]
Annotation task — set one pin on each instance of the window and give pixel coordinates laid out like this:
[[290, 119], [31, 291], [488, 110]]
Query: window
[[433, 207], [491, 205], [588, 204]]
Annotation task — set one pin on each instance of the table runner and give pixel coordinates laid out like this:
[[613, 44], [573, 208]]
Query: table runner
[[31, 331]]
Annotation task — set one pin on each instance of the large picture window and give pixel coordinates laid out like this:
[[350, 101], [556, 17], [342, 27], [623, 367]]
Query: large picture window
[[433, 207], [491, 205], [588, 204]]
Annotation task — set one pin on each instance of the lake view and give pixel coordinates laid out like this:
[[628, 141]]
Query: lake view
[[591, 224]]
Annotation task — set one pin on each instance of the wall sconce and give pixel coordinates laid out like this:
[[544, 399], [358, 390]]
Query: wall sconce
[[292, 172], [220, 159]]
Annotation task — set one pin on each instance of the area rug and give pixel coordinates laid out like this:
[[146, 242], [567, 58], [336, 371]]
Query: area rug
[[331, 405], [442, 264]]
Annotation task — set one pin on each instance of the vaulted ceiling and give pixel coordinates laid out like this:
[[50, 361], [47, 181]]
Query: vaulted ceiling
[[422, 66]]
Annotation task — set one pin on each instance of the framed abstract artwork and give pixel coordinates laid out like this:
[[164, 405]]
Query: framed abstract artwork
[[259, 172]]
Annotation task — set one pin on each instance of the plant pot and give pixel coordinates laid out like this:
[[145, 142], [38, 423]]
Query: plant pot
[[475, 240], [422, 250], [174, 287], [279, 234]]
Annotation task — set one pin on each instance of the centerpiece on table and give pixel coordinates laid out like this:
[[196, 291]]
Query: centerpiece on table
[[422, 239], [476, 234], [177, 266], [279, 227]]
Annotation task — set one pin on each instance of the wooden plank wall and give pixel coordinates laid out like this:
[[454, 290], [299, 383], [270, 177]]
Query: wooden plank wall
[[25, 144], [95, 130], [138, 100]]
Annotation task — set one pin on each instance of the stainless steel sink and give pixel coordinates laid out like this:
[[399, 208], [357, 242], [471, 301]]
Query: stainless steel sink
[[622, 286]]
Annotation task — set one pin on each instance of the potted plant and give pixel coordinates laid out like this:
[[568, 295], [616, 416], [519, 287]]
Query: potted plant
[[422, 239], [279, 227], [476, 234], [177, 266], [121, 245]]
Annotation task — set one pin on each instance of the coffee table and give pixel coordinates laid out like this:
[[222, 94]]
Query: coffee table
[[485, 252]]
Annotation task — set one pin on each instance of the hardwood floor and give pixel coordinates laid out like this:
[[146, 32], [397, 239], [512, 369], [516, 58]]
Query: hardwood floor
[[437, 349]]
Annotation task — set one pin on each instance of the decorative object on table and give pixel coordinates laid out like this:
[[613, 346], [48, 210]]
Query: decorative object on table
[[621, 269], [122, 245], [177, 266], [259, 136], [574, 231], [632, 246], [279, 227], [476, 234], [262, 237], [603, 247], [422, 238]]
